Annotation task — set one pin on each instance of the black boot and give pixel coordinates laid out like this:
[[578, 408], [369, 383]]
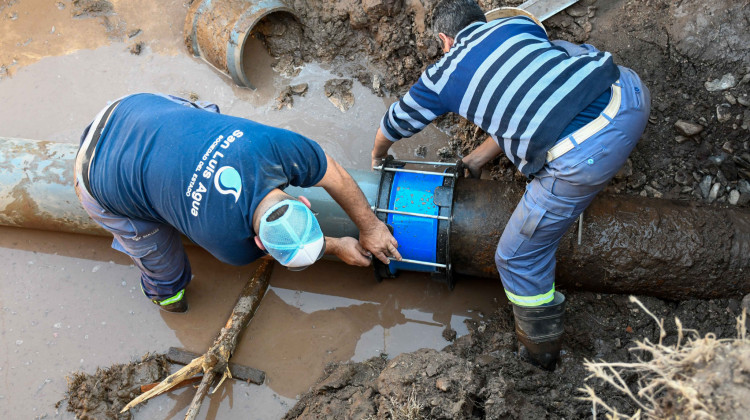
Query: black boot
[[177, 303], [539, 330]]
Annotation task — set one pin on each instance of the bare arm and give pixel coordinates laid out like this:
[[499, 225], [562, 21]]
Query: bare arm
[[380, 148], [373, 234], [486, 151]]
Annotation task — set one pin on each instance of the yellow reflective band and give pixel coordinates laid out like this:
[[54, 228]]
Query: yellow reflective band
[[537, 300], [173, 299]]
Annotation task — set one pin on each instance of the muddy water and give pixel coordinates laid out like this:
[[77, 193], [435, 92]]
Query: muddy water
[[70, 302]]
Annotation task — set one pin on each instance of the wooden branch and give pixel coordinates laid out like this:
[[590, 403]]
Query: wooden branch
[[186, 382], [241, 372], [216, 359]]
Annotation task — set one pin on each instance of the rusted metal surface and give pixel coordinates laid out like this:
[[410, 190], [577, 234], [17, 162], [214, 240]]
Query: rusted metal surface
[[217, 31], [663, 248], [36, 187]]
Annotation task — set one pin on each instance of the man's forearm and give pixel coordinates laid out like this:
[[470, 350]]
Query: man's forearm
[[342, 188], [381, 146]]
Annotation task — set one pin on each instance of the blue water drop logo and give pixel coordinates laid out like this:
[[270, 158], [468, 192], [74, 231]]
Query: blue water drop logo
[[228, 181]]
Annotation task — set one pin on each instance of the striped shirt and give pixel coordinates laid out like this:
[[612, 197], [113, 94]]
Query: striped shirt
[[510, 80]]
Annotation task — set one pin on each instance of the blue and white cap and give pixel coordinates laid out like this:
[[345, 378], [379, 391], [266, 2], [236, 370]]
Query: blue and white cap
[[294, 239]]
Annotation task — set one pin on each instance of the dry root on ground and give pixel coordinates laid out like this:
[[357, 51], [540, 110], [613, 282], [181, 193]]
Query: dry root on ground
[[696, 378]]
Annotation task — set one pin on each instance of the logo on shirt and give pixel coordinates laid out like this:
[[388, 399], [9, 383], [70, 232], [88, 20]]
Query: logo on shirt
[[228, 181]]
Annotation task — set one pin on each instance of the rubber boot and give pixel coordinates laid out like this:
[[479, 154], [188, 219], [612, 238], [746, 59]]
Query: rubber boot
[[539, 330]]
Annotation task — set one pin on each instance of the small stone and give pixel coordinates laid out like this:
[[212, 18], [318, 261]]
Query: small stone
[[19, 342], [13, 16], [60, 5], [420, 151], [442, 384], [687, 128], [734, 197], [134, 33], [714, 193], [744, 186], [726, 82], [653, 192], [744, 100], [299, 89], [681, 139], [730, 98], [723, 113], [705, 186]]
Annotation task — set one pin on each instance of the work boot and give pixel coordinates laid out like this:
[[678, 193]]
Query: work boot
[[539, 330], [177, 303]]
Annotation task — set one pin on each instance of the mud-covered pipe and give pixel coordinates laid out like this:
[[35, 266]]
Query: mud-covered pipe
[[218, 31], [664, 248]]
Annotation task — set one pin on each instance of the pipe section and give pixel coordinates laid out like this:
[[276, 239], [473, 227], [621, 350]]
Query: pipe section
[[664, 248], [669, 249], [218, 30]]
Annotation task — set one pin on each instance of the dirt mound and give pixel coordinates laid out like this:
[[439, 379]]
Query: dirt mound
[[480, 376], [103, 394], [676, 47]]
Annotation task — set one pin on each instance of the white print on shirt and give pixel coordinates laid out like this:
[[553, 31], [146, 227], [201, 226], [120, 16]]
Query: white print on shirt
[[206, 168]]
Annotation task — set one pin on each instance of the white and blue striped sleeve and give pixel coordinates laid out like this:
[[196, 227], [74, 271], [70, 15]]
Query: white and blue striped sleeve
[[417, 109]]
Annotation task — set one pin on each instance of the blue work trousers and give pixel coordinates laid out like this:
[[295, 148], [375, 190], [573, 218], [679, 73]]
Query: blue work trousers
[[155, 248], [563, 188]]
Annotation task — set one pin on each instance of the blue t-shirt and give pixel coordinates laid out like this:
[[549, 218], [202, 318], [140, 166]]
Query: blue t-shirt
[[202, 172]]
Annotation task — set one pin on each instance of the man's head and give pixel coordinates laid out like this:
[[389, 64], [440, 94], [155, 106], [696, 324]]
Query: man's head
[[450, 16], [288, 230]]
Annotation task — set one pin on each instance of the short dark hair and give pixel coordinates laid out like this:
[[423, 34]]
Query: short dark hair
[[451, 16]]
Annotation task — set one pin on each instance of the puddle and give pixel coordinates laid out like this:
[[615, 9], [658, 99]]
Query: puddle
[[70, 302]]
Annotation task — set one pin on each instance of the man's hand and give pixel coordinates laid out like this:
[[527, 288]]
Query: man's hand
[[475, 160], [379, 240], [348, 250], [472, 171], [377, 161]]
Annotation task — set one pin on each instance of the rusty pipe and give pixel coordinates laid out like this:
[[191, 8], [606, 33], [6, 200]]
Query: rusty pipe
[[662, 248]]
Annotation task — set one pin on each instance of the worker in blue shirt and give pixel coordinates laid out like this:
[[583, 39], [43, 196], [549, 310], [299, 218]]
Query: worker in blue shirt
[[152, 167], [564, 114]]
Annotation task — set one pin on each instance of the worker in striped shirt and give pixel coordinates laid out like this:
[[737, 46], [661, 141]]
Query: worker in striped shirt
[[564, 114]]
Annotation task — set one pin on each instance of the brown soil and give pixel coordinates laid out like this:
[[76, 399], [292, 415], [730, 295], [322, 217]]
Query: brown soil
[[675, 47], [480, 375], [103, 394], [679, 49]]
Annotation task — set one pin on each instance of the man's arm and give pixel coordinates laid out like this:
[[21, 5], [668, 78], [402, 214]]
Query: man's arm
[[412, 113], [373, 234], [478, 157]]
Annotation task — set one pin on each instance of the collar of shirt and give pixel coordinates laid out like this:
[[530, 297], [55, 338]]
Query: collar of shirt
[[467, 30]]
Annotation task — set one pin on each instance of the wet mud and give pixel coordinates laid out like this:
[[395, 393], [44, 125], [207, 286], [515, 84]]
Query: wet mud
[[480, 375], [103, 394]]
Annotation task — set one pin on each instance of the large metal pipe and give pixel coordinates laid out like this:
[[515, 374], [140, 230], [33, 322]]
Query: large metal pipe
[[218, 31], [664, 248], [637, 245]]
